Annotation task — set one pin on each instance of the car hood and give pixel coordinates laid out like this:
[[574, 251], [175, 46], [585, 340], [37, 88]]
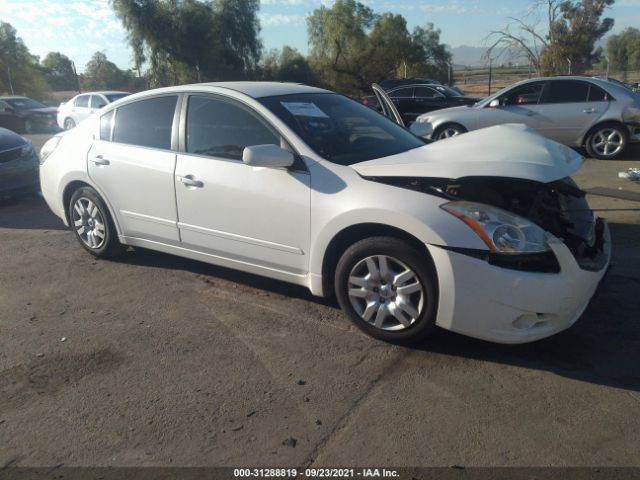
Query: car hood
[[512, 150], [9, 140], [44, 110]]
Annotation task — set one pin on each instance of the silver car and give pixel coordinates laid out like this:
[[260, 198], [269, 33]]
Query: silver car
[[578, 111]]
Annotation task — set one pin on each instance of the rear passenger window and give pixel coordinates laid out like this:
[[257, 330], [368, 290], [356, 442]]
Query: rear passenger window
[[221, 128], [146, 123], [596, 94], [105, 125], [567, 92], [82, 101]]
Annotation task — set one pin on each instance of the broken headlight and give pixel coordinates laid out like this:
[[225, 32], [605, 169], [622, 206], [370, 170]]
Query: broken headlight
[[501, 231]]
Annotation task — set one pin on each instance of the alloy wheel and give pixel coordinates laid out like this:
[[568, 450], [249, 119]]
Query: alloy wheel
[[448, 133], [69, 124], [607, 142], [89, 223], [386, 293]]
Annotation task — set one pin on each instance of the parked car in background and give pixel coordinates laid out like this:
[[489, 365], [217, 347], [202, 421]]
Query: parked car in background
[[415, 99], [18, 165], [81, 106], [27, 115], [401, 82], [576, 111], [306, 186]]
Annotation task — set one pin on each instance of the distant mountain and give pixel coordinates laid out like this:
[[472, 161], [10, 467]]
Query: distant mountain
[[466, 56]]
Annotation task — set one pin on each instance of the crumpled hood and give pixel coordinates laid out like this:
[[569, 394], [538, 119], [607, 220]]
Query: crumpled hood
[[511, 150]]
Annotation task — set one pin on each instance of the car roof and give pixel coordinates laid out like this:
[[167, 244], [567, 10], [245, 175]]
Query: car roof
[[251, 89], [105, 92], [12, 97]]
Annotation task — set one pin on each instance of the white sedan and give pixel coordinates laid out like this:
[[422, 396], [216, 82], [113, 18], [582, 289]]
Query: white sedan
[[484, 234], [82, 106]]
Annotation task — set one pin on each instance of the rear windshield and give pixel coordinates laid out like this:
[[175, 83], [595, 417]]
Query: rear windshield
[[340, 129]]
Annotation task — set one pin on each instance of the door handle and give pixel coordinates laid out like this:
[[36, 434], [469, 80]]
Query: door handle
[[590, 110], [99, 160], [189, 181]]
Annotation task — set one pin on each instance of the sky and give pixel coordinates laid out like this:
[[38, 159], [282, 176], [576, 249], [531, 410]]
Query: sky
[[78, 28]]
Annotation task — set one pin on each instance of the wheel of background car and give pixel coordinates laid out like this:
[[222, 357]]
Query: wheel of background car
[[449, 130], [92, 225], [28, 126], [388, 289], [607, 141], [69, 123]]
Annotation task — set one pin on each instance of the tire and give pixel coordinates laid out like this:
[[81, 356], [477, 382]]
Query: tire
[[378, 305], [448, 130], [69, 123], [607, 141], [94, 223]]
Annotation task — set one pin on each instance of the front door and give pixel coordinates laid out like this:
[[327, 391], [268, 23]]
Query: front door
[[135, 166], [257, 216], [518, 105]]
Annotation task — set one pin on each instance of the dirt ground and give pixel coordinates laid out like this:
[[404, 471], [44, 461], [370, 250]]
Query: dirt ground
[[151, 359]]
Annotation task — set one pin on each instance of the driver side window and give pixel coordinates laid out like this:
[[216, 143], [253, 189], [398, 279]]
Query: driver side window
[[221, 128], [528, 94]]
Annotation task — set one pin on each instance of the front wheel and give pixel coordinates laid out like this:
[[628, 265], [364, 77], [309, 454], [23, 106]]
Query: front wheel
[[607, 141], [69, 123], [388, 289], [92, 224], [448, 131]]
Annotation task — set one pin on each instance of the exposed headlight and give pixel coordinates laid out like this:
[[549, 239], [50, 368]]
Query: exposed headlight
[[27, 150], [48, 148], [500, 230]]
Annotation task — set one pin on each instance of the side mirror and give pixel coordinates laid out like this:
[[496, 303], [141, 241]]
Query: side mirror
[[270, 156], [421, 129], [494, 103]]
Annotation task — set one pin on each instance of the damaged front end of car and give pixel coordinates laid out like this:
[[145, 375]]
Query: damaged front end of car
[[558, 208]]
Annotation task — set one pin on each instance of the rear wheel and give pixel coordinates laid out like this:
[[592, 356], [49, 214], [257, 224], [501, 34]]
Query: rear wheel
[[92, 224], [449, 130], [388, 289], [607, 141]]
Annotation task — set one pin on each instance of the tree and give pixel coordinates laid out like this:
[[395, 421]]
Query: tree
[[19, 70], [623, 50], [287, 65], [59, 72], [102, 74], [191, 40], [565, 42], [351, 47]]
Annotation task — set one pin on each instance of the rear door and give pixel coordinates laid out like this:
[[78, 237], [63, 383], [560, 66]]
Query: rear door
[[256, 216], [133, 163], [570, 107]]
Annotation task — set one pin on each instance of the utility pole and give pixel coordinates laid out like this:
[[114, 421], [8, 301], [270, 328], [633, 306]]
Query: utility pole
[[489, 77], [10, 82], [405, 68], [569, 62], [607, 60], [449, 73], [75, 73]]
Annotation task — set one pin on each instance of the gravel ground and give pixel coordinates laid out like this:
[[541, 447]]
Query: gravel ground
[[151, 359]]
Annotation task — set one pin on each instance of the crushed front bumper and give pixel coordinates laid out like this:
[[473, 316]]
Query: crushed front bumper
[[510, 306]]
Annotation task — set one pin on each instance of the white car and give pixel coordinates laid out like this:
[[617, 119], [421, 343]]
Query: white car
[[483, 234], [82, 106]]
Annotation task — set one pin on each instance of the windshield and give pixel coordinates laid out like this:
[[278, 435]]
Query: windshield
[[24, 103], [340, 129], [449, 91], [112, 97]]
